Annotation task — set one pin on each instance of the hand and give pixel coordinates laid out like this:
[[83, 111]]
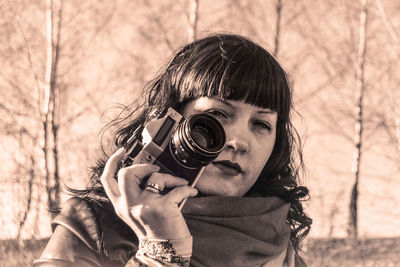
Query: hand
[[150, 215]]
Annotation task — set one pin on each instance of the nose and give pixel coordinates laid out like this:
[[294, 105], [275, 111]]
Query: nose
[[237, 143]]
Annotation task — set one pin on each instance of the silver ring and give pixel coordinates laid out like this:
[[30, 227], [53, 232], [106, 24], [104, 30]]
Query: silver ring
[[154, 188]]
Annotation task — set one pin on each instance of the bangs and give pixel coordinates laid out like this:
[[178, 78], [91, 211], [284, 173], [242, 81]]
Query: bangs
[[239, 70]]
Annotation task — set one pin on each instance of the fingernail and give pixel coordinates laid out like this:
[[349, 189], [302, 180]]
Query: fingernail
[[156, 167], [195, 192], [120, 152], [121, 149], [183, 180]]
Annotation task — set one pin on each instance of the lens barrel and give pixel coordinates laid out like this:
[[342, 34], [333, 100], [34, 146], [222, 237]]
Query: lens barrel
[[197, 141]]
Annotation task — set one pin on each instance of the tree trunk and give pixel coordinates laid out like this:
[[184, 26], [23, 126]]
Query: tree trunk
[[353, 220], [50, 110], [55, 121], [55, 189], [47, 98], [278, 27], [193, 19]]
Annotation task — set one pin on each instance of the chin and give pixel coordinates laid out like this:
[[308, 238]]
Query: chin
[[218, 190], [211, 183]]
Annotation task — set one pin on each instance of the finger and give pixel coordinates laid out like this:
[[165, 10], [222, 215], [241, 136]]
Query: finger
[[107, 178], [139, 171], [129, 179], [180, 193], [165, 180]]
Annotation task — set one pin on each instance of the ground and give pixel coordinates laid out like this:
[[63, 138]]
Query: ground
[[319, 252]]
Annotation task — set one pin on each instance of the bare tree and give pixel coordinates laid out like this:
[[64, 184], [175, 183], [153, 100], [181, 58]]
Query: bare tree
[[50, 105], [358, 127], [32, 83], [337, 50]]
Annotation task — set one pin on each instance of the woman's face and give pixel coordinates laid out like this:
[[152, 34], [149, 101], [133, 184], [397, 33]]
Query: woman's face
[[250, 137]]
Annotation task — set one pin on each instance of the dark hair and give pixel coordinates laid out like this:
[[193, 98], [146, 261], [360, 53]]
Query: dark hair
[[229, 67]]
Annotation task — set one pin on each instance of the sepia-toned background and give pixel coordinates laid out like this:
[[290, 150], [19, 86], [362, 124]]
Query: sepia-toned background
[[67, 66]]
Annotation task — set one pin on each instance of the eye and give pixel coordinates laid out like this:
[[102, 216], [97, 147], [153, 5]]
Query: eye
[[263, 125], [217, 113]]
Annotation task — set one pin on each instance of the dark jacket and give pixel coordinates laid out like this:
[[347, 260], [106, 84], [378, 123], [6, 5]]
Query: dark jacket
[[89, 233], [97, 236]]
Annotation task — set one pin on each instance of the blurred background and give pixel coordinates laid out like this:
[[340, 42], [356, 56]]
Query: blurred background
[[67, 66]]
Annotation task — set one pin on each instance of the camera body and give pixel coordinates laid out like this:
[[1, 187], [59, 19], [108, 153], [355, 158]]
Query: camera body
[[179, 146]]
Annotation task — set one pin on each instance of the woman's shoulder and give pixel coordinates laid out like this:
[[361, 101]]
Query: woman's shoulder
[[96, 224], [80, 216]]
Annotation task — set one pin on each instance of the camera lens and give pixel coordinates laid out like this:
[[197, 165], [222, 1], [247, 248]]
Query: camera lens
[[201, 136], [198, 140]]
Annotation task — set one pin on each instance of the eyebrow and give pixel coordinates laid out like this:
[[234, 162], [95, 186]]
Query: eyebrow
[[223, 102], [268, 111]]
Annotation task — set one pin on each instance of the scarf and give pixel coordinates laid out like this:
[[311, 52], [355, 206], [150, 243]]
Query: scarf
[[233, 231]]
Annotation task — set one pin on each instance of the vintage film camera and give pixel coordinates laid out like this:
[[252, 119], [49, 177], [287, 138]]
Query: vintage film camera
[[181, 147]]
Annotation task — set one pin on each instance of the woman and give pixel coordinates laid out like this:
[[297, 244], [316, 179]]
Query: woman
[[245, 209]]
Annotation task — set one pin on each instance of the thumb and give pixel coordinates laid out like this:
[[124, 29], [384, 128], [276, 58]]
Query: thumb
[[180, 193]]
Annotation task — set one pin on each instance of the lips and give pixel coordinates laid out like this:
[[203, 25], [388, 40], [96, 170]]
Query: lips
[[228, 167]]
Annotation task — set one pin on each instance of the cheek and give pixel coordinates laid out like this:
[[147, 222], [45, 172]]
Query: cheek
[[261, 154]]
